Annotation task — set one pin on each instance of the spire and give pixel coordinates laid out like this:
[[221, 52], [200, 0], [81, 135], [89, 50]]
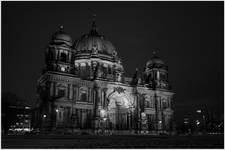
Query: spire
[[58, 31], [93, 26], [93, 22], [60, 28], [155, 52]]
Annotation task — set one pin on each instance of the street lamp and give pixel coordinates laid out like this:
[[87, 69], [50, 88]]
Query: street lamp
[[102, 120], [199, 111], [197, 122], [203, 117], [102, 112]]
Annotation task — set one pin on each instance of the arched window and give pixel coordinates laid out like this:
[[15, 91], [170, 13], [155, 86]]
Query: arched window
[[164, 105], [109, 70], [50, 55], [83, 70], [155, 75], [83, 95], [163, 76], [63, 57], [61, 92], [105, 71], [147, 104]]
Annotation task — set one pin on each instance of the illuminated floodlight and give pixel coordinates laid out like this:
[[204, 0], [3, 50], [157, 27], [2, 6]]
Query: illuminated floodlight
[[197, 122], [186, 122], [102, 111], [26, 129], [27, 107], [63, 69], [57, 110], [199, 111], [44, 116], [143, 114]]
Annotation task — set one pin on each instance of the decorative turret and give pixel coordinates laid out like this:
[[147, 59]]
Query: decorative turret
[[59, 52], [61, 38], [156, 72]]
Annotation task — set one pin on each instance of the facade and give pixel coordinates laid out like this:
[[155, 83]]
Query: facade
[[83, 88]]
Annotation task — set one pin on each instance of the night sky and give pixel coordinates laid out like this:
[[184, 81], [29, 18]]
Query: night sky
[[190, 36]]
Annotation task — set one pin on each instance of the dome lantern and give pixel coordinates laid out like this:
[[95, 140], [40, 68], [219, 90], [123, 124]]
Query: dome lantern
[[93, 30], [155, 61], [156, 73], [60, 37]]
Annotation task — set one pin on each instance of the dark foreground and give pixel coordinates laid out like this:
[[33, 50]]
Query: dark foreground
[[132, 141]]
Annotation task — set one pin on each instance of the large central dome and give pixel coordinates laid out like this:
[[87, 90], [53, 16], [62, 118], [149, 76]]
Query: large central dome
[[93, 41]]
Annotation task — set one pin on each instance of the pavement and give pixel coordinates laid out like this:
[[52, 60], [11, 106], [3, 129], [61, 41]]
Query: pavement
[[114, 141]]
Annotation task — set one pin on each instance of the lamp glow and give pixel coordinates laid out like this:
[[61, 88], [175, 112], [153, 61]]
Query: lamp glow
[[199, 111], [102, 112]]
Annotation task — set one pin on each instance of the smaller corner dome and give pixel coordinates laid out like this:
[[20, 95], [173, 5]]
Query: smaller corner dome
[[155, 60], [62, 37]]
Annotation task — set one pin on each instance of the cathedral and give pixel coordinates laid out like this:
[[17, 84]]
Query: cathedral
[[83, 89]]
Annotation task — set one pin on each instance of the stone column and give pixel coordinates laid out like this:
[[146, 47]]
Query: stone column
[[99, 98], [129, 120], [56, 54], [97, 107], [74, 117], [70, 56], [51, 88], [160, 114], [104, 98], [156, 110], [138, 113], [53, 116], [135, 112], [70, 91], [89, 95]]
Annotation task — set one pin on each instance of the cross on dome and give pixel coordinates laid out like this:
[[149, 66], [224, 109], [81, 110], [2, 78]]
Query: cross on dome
[[155, 52], [94, 21], [61, 27]]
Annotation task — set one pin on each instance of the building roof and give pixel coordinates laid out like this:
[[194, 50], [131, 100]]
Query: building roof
[[62, 37], [93, 41]]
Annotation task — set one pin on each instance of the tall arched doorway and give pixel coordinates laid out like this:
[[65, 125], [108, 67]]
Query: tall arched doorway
[[119, 112]]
